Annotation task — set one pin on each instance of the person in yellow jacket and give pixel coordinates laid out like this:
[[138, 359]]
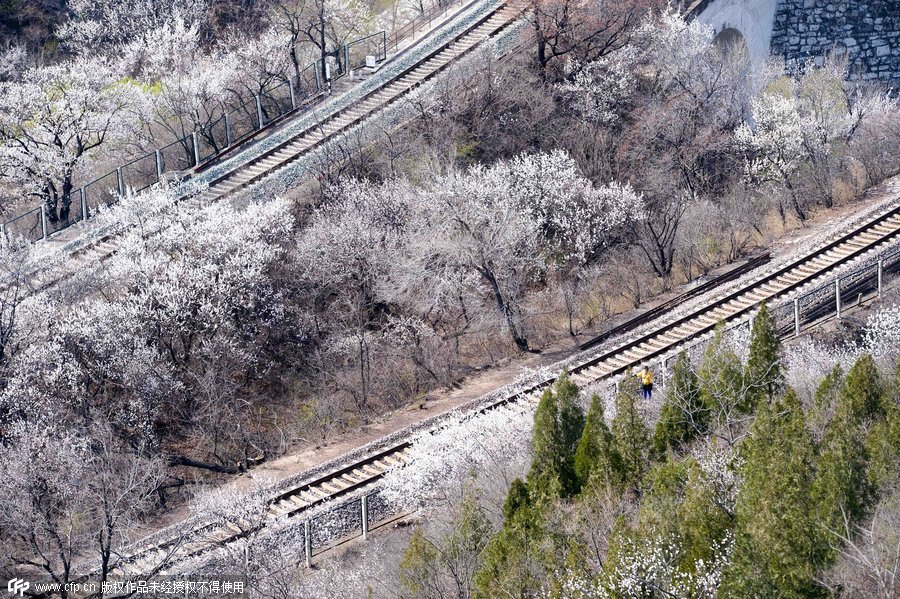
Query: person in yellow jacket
[[646, 377]]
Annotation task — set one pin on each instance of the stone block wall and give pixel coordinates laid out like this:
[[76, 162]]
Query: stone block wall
[[867, 30]]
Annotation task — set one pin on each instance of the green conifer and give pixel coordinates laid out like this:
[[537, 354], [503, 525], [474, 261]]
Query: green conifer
[[863, 392], [775, 534], [841, 489], [630, 433], [763, 374], [683, 416], [596, 458]]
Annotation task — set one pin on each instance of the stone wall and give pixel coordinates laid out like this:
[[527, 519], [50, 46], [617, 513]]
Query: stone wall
[[867, 30]]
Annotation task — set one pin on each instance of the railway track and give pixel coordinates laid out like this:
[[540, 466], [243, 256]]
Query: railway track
[[331, 127], [364, 473]]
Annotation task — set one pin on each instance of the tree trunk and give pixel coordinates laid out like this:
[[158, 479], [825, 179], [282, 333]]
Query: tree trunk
[[520, 341]]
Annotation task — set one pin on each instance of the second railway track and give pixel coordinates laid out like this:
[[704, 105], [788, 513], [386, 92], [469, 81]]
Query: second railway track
[[365, 472]]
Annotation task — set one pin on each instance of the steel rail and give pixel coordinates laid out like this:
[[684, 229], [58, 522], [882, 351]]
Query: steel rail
[[365, 472]]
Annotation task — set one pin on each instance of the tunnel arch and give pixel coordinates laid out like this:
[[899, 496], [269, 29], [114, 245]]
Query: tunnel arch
[[731, 40], [751, 20]]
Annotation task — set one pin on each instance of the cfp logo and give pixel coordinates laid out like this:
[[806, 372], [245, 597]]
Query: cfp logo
[[17, 586]]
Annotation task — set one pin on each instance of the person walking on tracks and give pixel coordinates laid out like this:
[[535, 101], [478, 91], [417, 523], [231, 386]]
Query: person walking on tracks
[[646, 377]]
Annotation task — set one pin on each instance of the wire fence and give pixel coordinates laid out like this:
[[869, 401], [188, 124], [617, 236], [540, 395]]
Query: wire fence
[[204, 144], [354, 517], [831, 297]]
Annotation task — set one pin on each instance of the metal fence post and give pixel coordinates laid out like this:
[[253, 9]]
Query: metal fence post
[[196, 148], [880, 271], [293, 96], [837, 297], [44, 220], [797, 316], [365, 517], [159, 165], [121, 180], [227, 131], [84, 212], [307, 543], [384, 45], [259, 113]]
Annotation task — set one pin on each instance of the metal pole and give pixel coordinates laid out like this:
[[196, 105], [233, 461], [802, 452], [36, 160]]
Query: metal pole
[[880, 271], [293, 97], [3, 232], [44, 220], [259, 113], [384, 45], [196, 148], [307, 542], [121, 180], [837, 296], [797, 316], [227, 131], [159, 165], [318, 77], [365, 517], [84, 212]]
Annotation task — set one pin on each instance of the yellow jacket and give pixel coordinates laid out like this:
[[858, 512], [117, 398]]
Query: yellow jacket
[[646, 377]]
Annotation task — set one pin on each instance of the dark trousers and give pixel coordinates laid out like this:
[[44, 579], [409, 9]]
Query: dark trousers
[[647, 391]]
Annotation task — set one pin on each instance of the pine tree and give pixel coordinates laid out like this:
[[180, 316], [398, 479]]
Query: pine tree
[[721, 381], [683, 415], [630, 434], [419, 570], [546, 444], [558, 422], [883, 448], [596, 458], [841, 489], [775, 535], [763, 374], [513, 558], [863, 393], [826, 398]]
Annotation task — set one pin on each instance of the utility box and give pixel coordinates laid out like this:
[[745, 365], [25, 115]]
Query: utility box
[[371, 62]]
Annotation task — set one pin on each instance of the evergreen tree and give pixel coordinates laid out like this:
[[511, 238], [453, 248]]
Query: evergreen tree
[[841, 489], [862, 394], [683, 416], [721, 381], [571, 426], [763, 374], [775, 535], [514, 557], [420, 568], [546, 444], [826, 398], [432, 568], [630, 433], [558, 422], [883, 448], [596, 458]]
